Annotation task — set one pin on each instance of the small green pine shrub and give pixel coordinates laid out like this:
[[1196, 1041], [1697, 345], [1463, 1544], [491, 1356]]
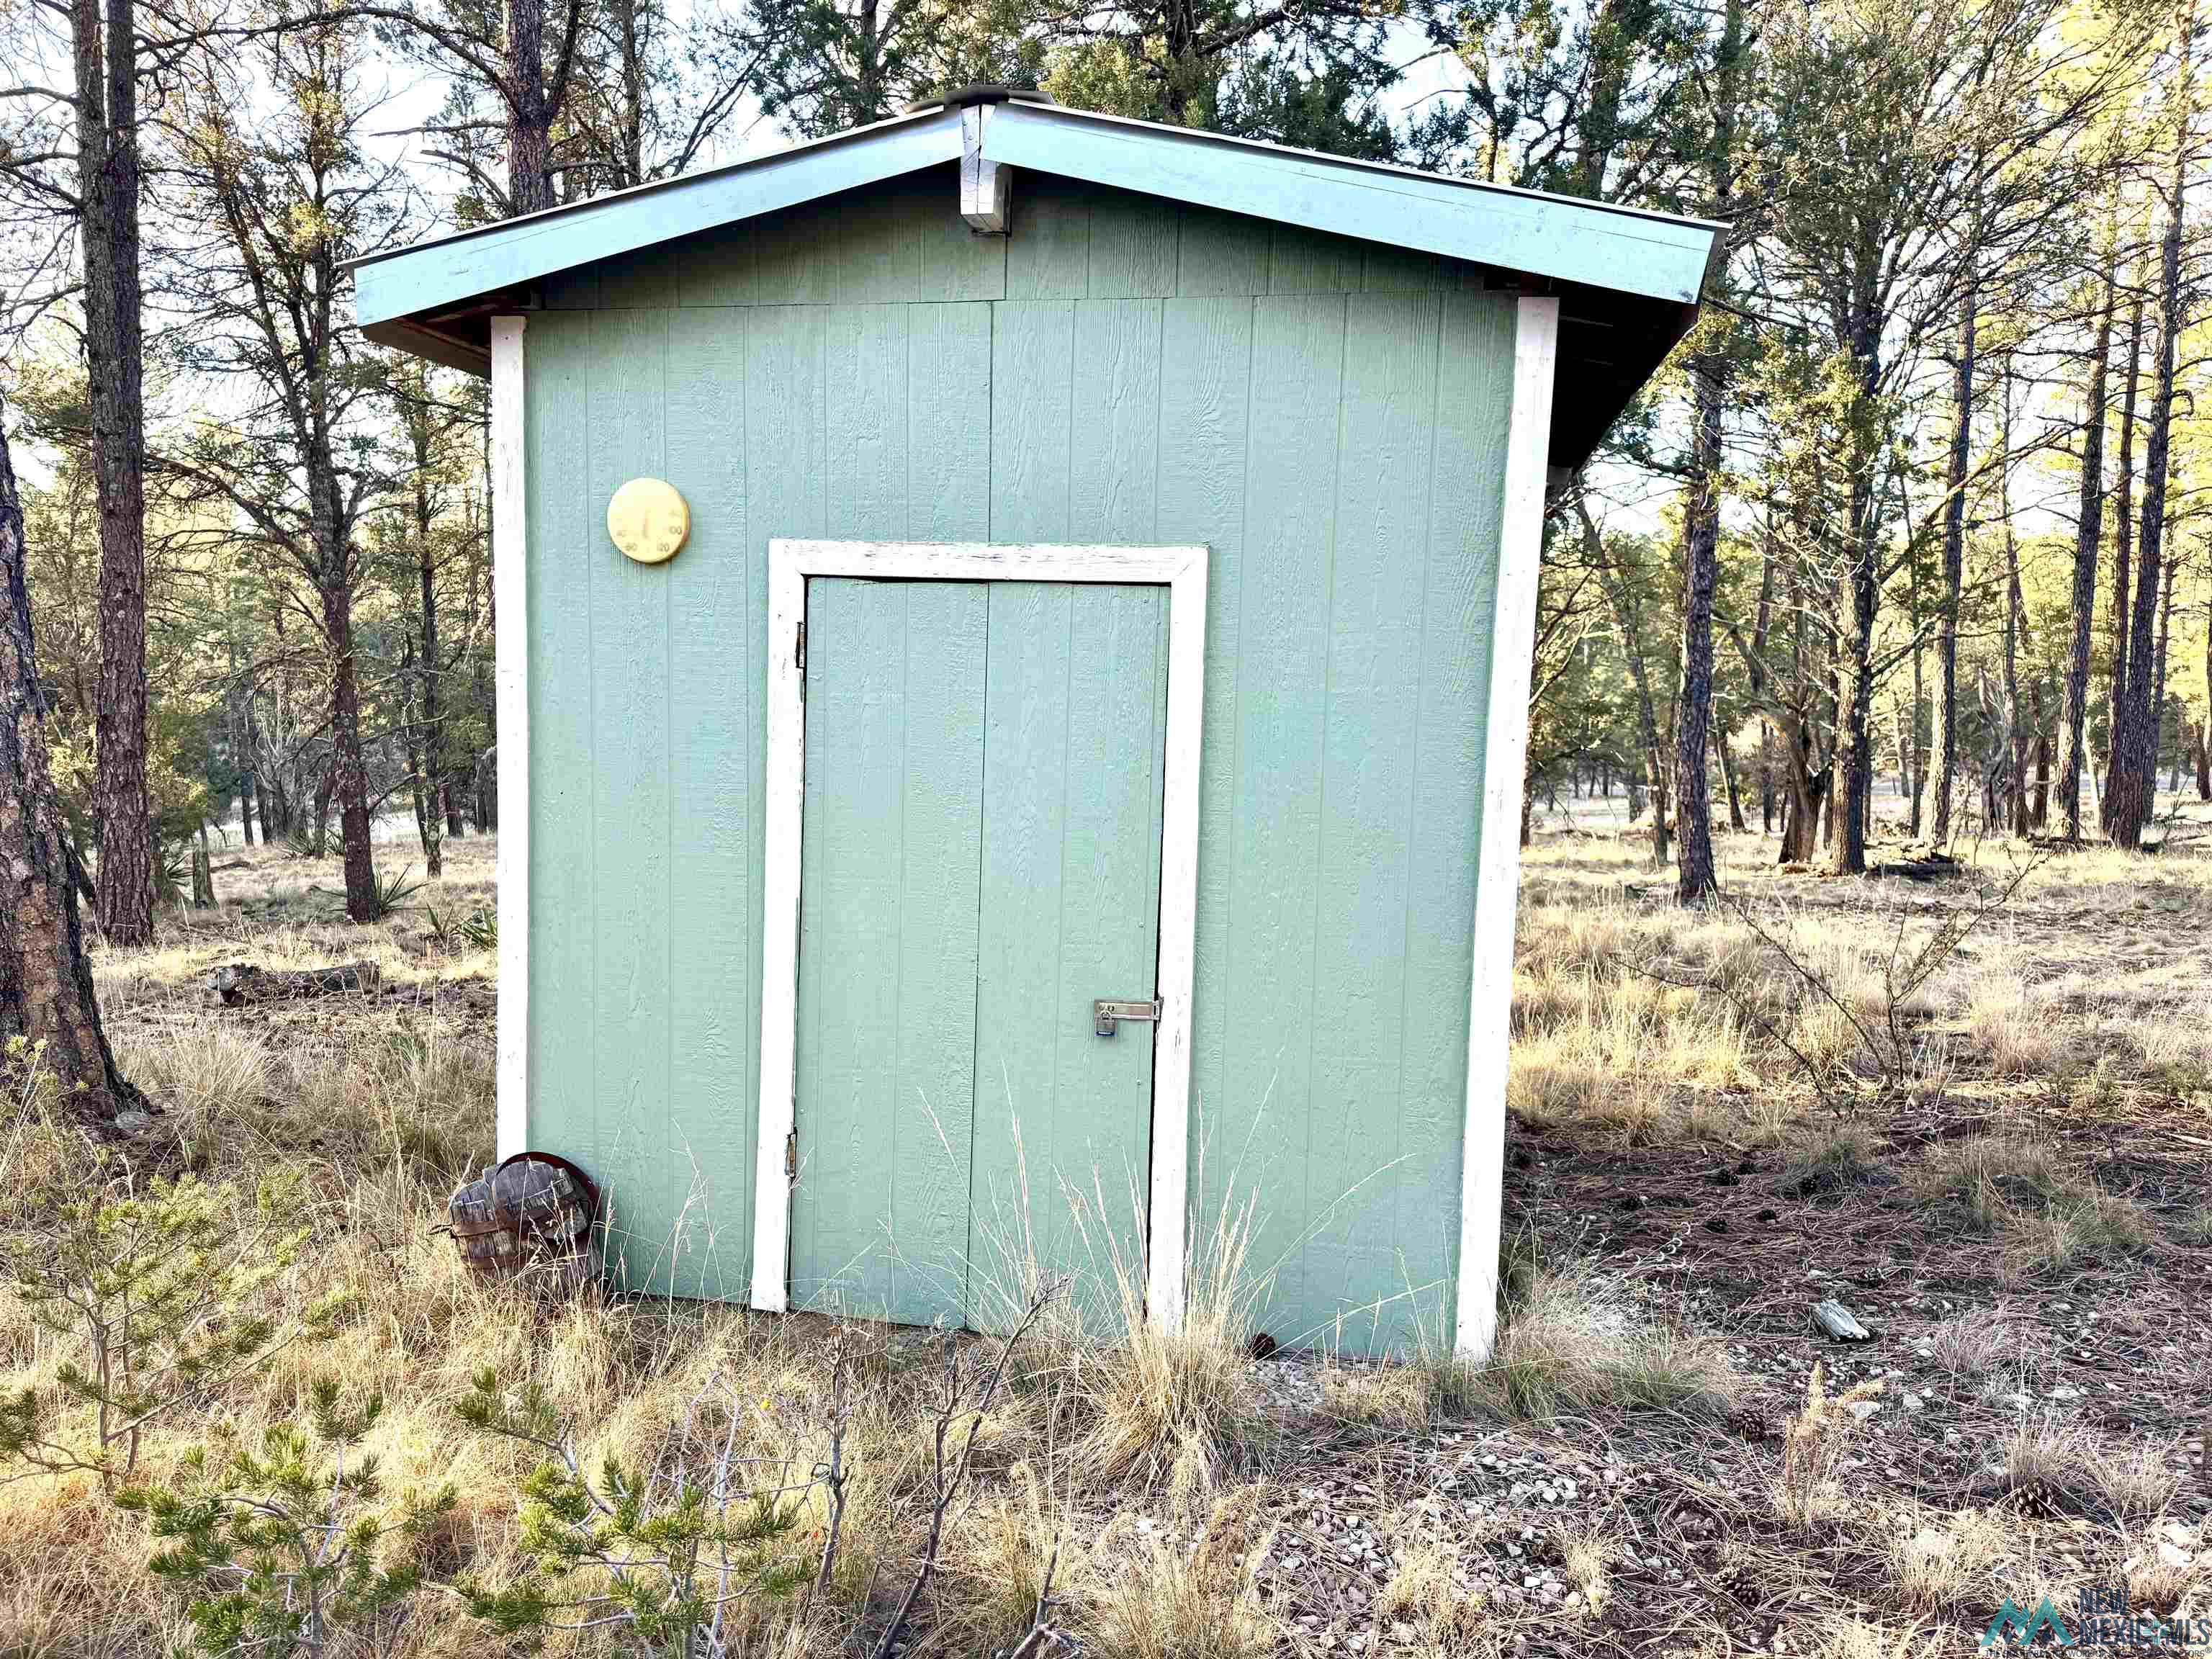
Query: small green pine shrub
[[656, 1554], [159, 1300], [286, 1551]]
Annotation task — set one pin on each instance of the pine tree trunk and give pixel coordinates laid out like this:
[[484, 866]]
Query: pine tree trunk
[[2039, 814], [1854, 729], [2158, 680], [348, 778], [2132, 789], [2015, 735], [106, 64], [1728, 783], [1954, 543], [1765, 776], [1697, 881], [1916, 778], [46, 994], [2204, 729], [1804, 799], [432, 773], [2124, 550], [2088, 527], [530, 113]]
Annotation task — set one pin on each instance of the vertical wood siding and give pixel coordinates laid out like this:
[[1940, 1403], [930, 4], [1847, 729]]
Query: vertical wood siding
[[1328, 417]]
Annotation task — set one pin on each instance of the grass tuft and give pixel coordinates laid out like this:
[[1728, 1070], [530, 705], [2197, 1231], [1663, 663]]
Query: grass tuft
[[1575, 1341], [1166, 1601]]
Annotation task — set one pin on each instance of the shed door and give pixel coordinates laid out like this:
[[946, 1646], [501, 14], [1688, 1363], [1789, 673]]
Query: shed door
[[980, 864]]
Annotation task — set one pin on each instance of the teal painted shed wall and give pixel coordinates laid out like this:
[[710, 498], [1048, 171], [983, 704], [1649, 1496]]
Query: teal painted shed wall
[[1328, 417]]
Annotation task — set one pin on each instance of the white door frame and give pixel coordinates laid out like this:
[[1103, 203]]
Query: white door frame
[[1183, 571]]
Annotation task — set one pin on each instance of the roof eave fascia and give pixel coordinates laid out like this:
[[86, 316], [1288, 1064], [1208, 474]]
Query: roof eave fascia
[[1528, 232], [410, 282]]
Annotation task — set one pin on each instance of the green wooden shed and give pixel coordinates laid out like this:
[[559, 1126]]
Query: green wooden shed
[[1048, 773]]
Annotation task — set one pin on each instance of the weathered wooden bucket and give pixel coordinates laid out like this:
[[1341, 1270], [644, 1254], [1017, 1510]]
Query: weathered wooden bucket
[[529, 1218]]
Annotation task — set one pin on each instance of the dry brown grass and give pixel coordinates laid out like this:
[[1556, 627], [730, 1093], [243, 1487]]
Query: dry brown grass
[[1156, 1466], [1172, 1600], [1947, 1564], [2052, 1214], [1428, 1590], [2056, 1460], [385, 1104], [1575, 1341], [1974, 1346]]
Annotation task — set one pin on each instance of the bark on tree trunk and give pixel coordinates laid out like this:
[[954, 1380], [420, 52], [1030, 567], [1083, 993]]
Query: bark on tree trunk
[[46, 994], [1729, 783], [1697, 881], [2124, 547], [2088, 528], [2040, 815], [1765, 777], [1854, 761], [2204, 729], [432, 772], [1805, 797], [530, 112], [348, 778], [2016, 736], [2132, 791], [2157, 719], [106, 63], [1954, 543], [1917, 760]]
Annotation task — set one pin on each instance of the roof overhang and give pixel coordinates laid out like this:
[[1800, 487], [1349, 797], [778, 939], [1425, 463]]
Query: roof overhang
[[1629, 280]]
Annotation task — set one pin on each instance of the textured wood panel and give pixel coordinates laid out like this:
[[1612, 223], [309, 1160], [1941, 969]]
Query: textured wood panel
[[948, 483], [1032, 419], [1205, 362], [713, 714], [1074, 741], [887, 947], [1475, 389], [564, 909], [1358, 1008], [1114, 471], [1330, 421], [865, 407], [631, 826], [1274, 843]]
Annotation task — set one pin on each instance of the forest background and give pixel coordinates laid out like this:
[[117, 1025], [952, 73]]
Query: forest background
[[1915, 515]]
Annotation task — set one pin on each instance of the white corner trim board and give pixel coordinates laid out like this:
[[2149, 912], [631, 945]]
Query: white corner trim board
[[1497, 869], [511, 680], [1182, 570]]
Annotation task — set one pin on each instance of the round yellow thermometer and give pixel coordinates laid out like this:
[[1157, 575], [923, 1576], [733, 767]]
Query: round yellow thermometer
[[648, 520]]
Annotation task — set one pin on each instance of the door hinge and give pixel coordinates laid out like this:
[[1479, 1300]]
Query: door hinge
[[791, 1155], [802, 651]]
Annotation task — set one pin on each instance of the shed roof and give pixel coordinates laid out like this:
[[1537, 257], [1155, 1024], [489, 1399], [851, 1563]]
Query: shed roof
[[1629, 279]]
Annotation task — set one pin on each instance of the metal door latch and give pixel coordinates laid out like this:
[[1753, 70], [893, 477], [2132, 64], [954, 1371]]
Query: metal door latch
[[1109, 1013]]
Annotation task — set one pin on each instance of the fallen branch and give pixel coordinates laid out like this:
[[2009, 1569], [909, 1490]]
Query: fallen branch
[[236, 983]]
